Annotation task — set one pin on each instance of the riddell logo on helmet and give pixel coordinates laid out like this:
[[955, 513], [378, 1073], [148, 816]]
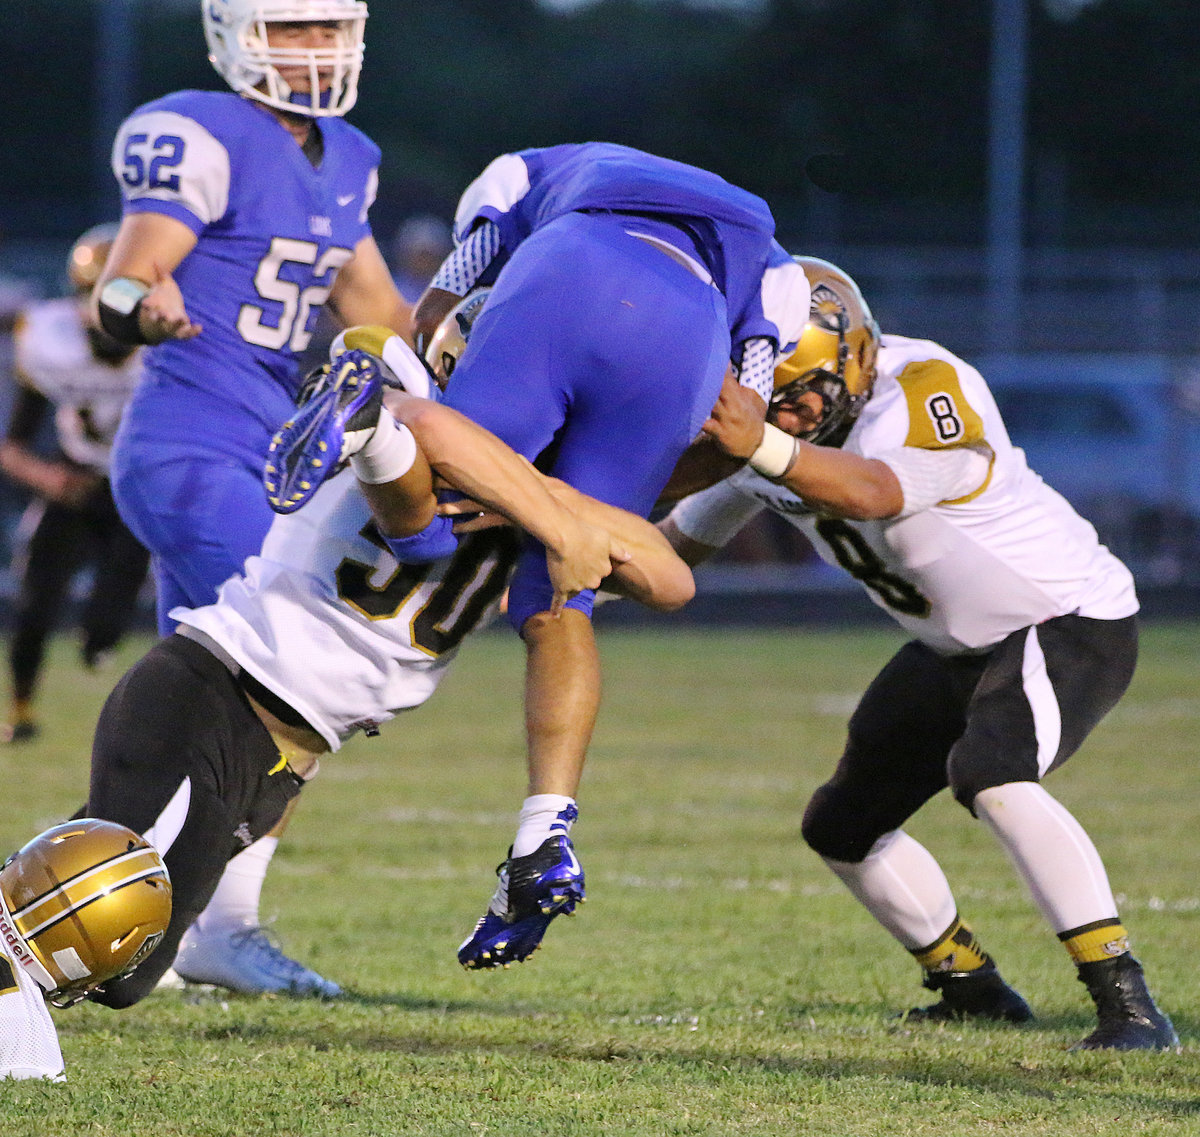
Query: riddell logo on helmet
[[14, 941]]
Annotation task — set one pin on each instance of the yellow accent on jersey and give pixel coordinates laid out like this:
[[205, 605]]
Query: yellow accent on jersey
[[278, 766], [367, 337], [939, 415]]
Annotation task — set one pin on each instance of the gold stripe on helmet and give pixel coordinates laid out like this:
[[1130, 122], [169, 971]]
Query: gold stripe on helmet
[[90, 885]]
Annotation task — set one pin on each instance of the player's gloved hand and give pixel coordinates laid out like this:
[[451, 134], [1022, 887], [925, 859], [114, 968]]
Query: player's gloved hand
[[531, 892]]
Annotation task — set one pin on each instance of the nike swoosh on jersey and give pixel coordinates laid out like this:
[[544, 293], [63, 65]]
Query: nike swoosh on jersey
[[346, 199]]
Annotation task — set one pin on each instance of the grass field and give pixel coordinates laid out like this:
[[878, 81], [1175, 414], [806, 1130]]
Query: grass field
[[718, 981]]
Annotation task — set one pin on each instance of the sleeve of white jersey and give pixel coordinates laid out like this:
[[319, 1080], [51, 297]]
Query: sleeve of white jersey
[[28, 1041], [501, 185], [715, 515], [936, 477], [161, 156], [786, 297]]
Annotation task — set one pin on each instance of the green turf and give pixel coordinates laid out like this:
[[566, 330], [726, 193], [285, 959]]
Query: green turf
[[719, 980]]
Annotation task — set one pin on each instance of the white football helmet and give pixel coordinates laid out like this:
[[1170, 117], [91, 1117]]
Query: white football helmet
[[236, 31], [83, 902]]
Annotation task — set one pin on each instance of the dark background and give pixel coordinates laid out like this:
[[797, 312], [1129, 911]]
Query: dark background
[[1018, 179], [900, 87]]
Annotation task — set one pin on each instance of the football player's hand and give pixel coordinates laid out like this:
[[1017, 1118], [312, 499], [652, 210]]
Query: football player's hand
[[68, 486], [737, 420], [582, 561], [162, 315], [470, 516]]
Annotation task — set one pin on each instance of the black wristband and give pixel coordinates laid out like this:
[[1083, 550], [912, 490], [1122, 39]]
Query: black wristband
[[120, 303]]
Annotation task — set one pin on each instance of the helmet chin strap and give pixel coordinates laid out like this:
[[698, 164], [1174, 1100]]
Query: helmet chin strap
[[303, 101]]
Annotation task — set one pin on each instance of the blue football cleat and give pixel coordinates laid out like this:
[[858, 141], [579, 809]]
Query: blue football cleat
[[336, 419], [532, 891]]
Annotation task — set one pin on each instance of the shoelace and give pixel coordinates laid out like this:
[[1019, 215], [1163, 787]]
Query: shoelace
[[264, 947]]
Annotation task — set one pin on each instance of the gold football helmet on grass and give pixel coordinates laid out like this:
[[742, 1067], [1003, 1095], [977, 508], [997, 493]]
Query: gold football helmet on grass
[[83, 902], [835, 355]]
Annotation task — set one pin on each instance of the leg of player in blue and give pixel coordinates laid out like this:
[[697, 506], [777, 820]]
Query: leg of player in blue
[[601, 356], [533, 890]]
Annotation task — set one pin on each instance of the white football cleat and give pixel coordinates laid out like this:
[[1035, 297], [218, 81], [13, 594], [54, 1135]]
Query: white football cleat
[[246, 960]]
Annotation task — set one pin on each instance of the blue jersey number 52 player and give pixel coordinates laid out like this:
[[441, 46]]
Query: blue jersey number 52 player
[[245, 213]]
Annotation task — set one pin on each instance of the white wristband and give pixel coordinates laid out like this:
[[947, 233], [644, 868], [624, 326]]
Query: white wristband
[[776, 452], [388, 455]]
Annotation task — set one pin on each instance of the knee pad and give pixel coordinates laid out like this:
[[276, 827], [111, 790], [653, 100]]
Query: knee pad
[[831, 829]]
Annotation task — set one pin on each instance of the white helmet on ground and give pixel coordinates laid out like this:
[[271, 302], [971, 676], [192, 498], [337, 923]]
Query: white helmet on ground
[[236, 32]]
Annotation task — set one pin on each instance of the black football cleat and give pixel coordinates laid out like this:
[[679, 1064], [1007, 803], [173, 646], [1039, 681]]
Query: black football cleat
[[978, 994], [1129, 1018]]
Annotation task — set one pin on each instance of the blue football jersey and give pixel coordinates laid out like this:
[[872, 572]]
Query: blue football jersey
[[731, 230], [272, 232]]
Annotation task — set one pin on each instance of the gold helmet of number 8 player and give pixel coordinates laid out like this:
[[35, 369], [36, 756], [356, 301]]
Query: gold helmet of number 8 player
[[835, 355], [82, 903], [238, 47], [85, 261], [449, 341]]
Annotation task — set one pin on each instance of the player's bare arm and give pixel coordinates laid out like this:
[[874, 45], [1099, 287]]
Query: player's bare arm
[[53, 480], [136, 299], [831, 481], [364, 293], [654, 575], [431, 309], [704, 462], [690, 551], [579, 555]]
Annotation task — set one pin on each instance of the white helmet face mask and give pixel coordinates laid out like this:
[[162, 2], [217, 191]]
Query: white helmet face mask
[[236, 32]]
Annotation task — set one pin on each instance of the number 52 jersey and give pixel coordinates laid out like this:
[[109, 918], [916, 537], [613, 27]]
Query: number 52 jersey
[[966, 573], [327, 618], [272, 232]]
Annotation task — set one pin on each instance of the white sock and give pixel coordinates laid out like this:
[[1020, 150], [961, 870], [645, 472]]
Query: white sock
[[903, 887], [235, 902], [541, 817], [1051, 851], [388, 454]]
